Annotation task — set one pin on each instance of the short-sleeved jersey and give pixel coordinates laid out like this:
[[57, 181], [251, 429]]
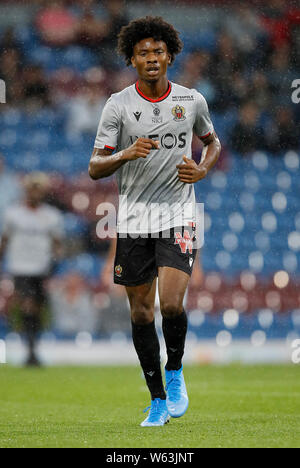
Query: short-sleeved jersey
[[152, 198], [30, 236]]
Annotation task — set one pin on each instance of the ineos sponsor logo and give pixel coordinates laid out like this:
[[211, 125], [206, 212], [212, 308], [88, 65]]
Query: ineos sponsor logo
[[167, 141]]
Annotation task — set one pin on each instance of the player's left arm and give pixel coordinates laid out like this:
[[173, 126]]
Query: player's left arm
[[107, 271], [6, 233], [57, 249], [191, 172], [58, 237], [3, 244]]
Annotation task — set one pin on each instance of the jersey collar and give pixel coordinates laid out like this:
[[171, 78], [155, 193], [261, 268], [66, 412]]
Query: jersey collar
[[153, 100]]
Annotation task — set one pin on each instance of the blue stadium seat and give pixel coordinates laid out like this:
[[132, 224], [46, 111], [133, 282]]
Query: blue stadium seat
[[88, 266], [78, 58], [74, 225], [204, 39]]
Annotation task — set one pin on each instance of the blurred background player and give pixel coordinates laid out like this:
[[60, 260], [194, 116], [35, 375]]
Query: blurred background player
[[32, 240]]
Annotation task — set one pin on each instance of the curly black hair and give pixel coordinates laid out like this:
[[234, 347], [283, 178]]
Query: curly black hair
[[150, 26]]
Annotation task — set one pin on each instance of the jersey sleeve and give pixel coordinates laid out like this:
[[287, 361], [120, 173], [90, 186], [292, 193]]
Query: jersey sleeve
[[203, 126], [109, 126]]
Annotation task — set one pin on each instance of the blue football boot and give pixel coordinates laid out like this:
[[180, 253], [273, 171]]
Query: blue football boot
[[177, 398], [158, 415]]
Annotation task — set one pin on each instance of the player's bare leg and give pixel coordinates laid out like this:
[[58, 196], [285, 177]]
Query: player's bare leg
[[145, 339], [30, 314], [142, 300], [172, 285]]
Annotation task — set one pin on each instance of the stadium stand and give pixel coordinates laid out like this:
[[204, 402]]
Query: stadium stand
[[251, 254]]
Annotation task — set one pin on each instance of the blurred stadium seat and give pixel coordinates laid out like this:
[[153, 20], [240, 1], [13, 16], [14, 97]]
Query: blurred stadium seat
[[252, 206]]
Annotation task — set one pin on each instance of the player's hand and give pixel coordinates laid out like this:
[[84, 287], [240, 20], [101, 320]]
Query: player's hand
[[140, 149], [190, 172]]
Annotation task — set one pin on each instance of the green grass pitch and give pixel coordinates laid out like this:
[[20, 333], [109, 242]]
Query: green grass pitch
[[234, 406]]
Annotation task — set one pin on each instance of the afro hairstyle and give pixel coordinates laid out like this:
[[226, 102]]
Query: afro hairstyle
[[150, 26]]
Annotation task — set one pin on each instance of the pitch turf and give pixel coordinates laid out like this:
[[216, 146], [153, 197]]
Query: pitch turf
[[232, 406]]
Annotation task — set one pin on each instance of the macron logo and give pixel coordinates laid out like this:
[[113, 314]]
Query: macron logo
[[137, 115]]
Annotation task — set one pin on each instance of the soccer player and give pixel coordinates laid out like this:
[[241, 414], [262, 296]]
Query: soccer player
[[149, 126], [32, 239]]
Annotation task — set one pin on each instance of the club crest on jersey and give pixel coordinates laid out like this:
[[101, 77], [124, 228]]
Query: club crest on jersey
[[118, 271], [179, 113]]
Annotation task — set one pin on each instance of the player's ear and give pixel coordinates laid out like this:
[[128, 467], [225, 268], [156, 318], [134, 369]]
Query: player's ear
[[169, 59], [133, 62]]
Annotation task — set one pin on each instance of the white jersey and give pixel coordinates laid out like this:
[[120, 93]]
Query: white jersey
[[152, 198], [30, 235]]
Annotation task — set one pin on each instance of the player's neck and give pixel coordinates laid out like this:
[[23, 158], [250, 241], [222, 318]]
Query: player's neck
[[154, 90]]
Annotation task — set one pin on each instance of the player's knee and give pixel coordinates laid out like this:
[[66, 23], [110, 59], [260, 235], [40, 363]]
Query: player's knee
[[142, 314], [171, 309]]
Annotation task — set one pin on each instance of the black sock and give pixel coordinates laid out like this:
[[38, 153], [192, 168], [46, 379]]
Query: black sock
[[31, 327], [175, 330], [146, 343]]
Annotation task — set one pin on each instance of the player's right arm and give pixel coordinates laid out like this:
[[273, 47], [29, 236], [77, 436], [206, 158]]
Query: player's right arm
[[103, 163]]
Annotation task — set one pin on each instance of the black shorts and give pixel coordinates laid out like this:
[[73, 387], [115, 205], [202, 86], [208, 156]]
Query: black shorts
[[138, 259], [31, 287]]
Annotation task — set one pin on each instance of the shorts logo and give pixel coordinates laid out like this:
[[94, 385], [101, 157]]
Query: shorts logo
[[185, 243], [179, 113], [118, 271]]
